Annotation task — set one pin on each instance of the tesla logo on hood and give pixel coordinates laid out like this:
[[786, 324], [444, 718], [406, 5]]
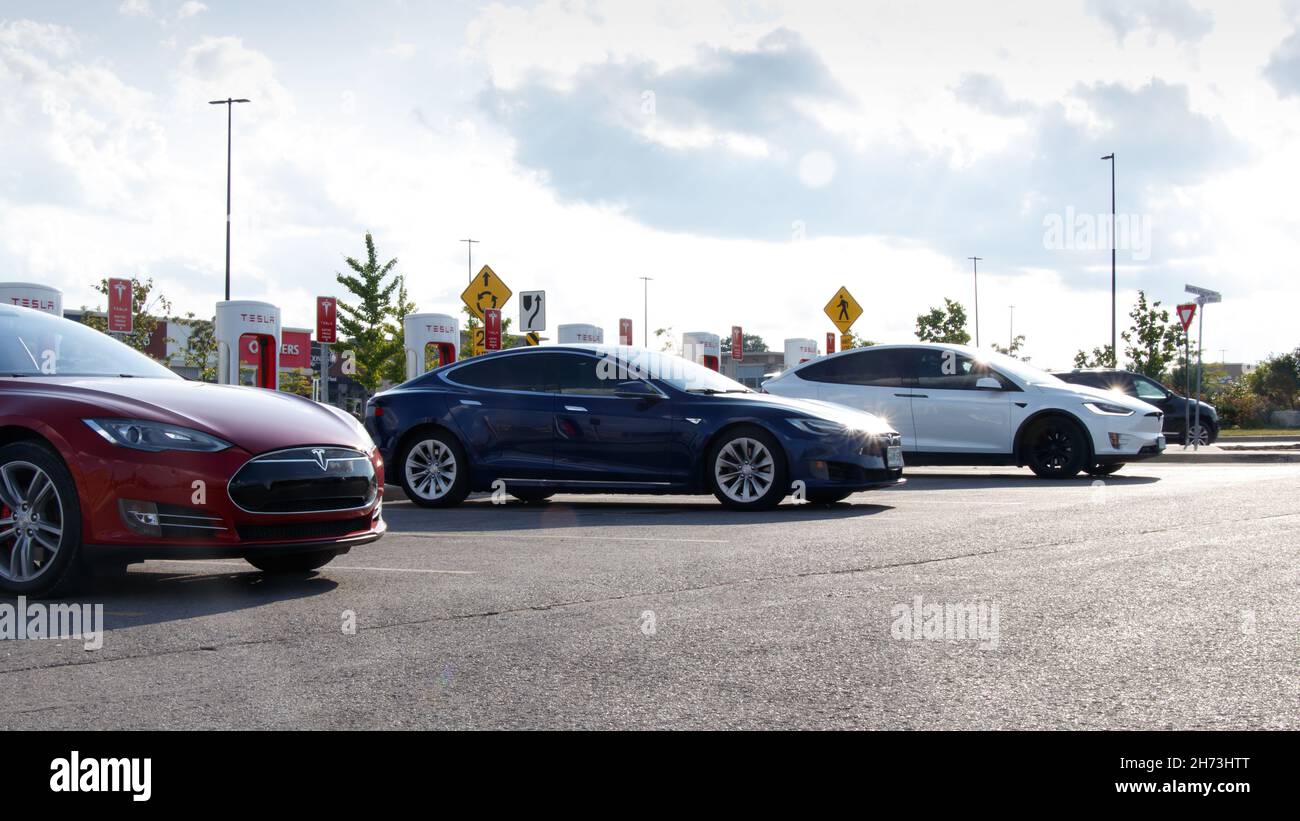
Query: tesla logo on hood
[[319, 453]]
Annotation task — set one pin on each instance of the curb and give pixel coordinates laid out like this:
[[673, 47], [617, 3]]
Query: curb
[[1253, 457]]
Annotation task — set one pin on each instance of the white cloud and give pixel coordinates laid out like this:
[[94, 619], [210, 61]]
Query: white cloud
[[190, 8], [402, 51], [135, 8]]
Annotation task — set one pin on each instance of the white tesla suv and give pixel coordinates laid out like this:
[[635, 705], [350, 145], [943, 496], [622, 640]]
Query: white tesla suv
[[961, 406]]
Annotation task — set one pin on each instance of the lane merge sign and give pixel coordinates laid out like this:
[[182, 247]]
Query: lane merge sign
[[843, 310], [532, 311], [485, 291]]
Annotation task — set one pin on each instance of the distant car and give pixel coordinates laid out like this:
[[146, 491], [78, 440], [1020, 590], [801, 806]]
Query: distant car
[[1178, 408], [596, 419], [107, 456], [958, 405]]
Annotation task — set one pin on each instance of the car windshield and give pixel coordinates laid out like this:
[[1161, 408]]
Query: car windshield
[[1019, 369], [33, 343], [676, 371]]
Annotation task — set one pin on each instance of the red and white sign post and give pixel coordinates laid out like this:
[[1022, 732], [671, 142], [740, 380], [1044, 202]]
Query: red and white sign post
[[737, 343], [830, 342], [625, 332], [492, 329], [120, 304], [326, 333], [1186, 313]]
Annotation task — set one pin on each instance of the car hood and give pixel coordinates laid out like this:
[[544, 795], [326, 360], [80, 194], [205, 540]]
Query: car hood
[[255, 419], [1083, 393], [815, 408]]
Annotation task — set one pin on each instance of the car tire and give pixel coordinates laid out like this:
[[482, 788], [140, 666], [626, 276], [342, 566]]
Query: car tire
[[433, 470], [1203, 435], [1055, 448], [826, 497], [763, 485], [532, 496], [40, 517], [293, 562], [1105, 470]]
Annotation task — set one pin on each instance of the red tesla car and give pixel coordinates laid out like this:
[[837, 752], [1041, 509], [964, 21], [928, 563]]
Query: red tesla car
[[107, 456]]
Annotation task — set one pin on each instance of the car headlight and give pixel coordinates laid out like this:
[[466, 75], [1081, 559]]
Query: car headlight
[[823, 427], [139, 434], [1107, 409]]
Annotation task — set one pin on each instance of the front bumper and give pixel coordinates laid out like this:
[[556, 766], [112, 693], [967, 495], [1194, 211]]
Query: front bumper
[[1127, 438], [853, 461], [110, 553]]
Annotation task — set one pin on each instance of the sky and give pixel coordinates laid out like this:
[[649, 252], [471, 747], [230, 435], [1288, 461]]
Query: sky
[[749, 157]]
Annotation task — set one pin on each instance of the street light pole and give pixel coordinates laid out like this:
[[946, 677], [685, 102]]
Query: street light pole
[[229, 103], [645, 308], [975, 262], [1011, 328], [469, 257], [1114, 340]]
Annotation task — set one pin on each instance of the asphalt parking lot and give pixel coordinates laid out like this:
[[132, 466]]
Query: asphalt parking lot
[[1164, 597]]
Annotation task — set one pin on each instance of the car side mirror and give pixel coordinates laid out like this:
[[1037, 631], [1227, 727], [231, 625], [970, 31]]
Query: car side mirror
[[637, 389], [987, 383]]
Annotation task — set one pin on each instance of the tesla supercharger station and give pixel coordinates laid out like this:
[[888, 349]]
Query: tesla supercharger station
[[30, 295], [422, 331], [248, 332], [579, 333], [799, 350], [703, 349]]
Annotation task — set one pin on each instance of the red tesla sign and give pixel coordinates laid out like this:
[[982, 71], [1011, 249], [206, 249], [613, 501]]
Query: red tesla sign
[[120, 315], [295, 349], [625, 332], [492, 329], [830, 342], [737, 343], [326, 319]]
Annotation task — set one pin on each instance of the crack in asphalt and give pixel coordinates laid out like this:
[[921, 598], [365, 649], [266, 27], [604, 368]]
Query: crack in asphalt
[[541, 608]]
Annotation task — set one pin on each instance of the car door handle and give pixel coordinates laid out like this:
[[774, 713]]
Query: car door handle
[[575, 408], [912, 395], [470, 402]]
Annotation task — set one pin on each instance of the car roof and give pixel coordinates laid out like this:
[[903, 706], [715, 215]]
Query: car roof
[[935, 346]]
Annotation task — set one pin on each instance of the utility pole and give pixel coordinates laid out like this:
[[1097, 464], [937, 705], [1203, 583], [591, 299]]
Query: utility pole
[[975, 262], [1011, 328], [1114, 339], [645, 308], [229, 103]]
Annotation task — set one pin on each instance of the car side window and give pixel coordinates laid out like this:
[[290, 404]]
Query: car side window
[[952, 371], [877, 369], [1146, 389], [579, 374], [518, 372]]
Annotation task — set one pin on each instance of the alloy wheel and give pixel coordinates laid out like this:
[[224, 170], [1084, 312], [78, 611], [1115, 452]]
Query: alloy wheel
[[31, 521], [744, 469], [430, 469]]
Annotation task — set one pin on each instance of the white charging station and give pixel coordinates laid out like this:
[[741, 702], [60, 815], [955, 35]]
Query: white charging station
[[30, 295], [580, 334], [441, 331], [799, 350], [702, 348], [248, 332]]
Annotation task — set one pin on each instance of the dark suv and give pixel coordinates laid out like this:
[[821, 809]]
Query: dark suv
[[1178, 409]]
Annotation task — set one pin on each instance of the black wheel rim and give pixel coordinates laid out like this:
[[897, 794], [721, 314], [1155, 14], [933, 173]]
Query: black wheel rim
[[1054, 449]]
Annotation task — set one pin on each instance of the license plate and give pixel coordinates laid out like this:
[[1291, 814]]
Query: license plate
[[894, 456], [1160, 443]]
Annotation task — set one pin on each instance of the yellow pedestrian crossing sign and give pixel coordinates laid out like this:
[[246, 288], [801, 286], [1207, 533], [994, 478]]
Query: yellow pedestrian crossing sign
[[485, 291], [843, 310]]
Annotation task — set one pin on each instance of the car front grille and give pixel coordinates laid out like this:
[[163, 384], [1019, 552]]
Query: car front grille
[[305, 480], [302, 530]]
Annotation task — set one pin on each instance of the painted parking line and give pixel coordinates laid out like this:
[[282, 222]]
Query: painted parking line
[[252, 569], [561, 536]]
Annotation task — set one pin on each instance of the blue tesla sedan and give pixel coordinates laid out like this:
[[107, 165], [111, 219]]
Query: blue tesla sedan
[[599, 419]]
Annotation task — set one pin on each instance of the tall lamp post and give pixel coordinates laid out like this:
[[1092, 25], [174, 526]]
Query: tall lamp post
[[1114, 340], [229, 103], [645, 309], [469, 257], [975, 262]]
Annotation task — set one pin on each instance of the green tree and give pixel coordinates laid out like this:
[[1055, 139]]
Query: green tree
[[146, 307], [200, 349], [295, 382], [1099, 358], [946, 324], [749, 343], [667, 339], [856, 341], [1014, 349], [394, 369], [1153, 342], [365, 325], [1277, 379]]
